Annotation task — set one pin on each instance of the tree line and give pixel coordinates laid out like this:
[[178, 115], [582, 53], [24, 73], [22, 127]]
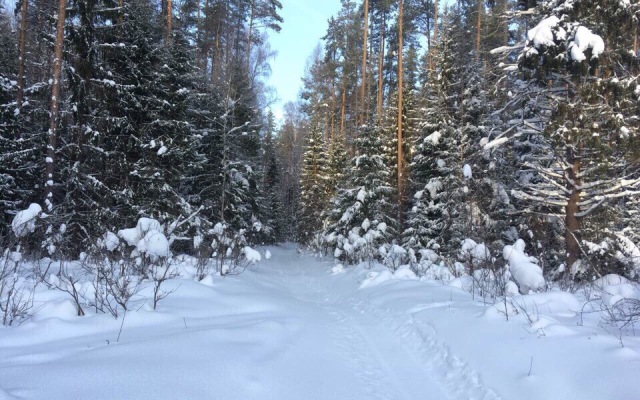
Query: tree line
[[422, 127], [433, 125], [115, 110]]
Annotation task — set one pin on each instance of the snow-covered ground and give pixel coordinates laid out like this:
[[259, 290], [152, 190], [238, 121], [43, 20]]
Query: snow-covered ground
[[293, 328]]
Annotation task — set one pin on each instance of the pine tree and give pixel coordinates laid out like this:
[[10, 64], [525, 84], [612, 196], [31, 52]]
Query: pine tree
[[589, 133]]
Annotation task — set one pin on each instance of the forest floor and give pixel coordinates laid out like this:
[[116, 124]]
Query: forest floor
[[291, 329]]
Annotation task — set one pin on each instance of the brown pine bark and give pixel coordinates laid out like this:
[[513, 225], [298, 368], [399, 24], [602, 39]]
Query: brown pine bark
[[333, 109], [400, 84], [364, 60], [370, 61], [55, 105], [121, 16], [198, 41], [344, 103], [215, 56], [380, 70], [433, 53], [252, 15], [22, 53], [169, 18], [479, 27]]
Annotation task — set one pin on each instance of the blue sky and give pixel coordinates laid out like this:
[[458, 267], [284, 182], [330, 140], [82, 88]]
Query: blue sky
[[305, 22]]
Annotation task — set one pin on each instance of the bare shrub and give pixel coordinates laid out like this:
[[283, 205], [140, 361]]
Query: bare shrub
[[16, 295], [160, 272], [68, 280]]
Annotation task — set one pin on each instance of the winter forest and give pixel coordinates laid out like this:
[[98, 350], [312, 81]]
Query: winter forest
[[487, 150]]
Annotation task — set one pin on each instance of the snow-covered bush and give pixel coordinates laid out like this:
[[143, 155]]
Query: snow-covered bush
[[474, 255], [395, 256], [619, 300], [628, 253], [24, 221], [229, 247], [524, 269], [363, 243]]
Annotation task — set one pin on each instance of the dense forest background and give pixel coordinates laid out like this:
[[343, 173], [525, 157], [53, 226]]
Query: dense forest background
[[426, 133]]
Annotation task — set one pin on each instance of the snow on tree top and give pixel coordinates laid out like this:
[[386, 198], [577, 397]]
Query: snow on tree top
[[466, 171], [584, 40], [434, 138], [25, 221], [542, 34]]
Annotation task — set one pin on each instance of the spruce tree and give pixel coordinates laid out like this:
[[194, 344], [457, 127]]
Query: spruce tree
[[360, 219], [314, 181]]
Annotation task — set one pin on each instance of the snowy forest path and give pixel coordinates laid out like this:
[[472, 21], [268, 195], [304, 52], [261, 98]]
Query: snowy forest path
[[285, 329], [391, 357]]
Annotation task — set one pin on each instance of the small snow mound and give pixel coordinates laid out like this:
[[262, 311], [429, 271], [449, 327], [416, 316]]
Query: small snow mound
[[612, 294], [25, 221], [64, 309], [207, 280], [252, 255], [525, 271], [405, 273], [337, 269], [511, 289], [555, 303], [610, 279], [464, 282], [376, 278], [267, 255], [4, 395]]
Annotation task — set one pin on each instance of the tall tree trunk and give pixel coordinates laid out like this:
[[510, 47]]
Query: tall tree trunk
[[55, 105], [572, 221], [432, 54], [343, 110], [169, 18], [380, 68], [370, 63], [249, 35], [479, 27], [121, 12], [333, 109], [22, 40], [198, 36], [364, 59], [400, 83], [215, 55]]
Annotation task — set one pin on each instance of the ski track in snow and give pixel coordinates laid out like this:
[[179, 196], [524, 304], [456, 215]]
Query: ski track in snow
[[420, 366]]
